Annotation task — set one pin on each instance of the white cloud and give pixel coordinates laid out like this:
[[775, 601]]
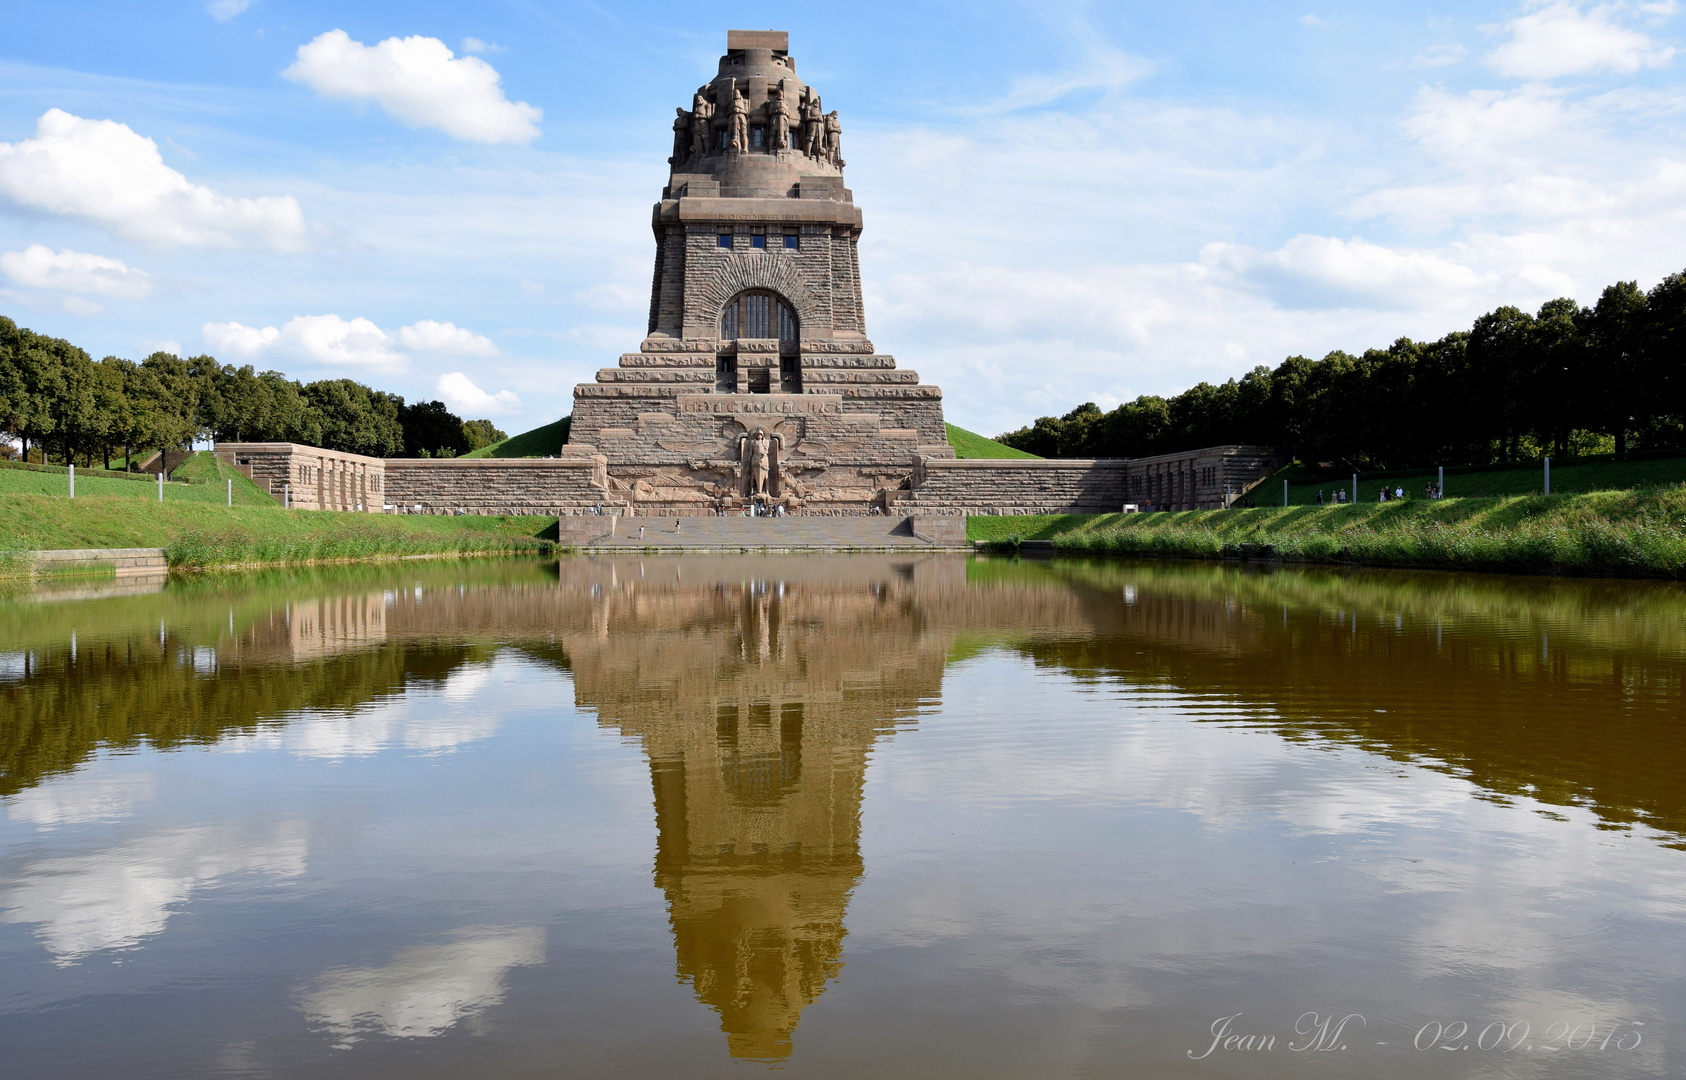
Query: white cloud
[[1439, 56], [39, 267], [1318, 272], [443, 337], [164, 345], [77, 800], [459, 392], [475, 45], [426, 990], [332, 341], [224, 10], [1562, 39], [1309, 19], [117, 897], [419, 82], [103, 172]]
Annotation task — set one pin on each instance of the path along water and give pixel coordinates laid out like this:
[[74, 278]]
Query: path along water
[[922, 815]]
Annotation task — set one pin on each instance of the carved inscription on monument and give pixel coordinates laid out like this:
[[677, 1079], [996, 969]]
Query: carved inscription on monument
[[762, 404]]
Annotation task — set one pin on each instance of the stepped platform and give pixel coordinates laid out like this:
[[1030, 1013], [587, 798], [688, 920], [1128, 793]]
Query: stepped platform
[[738, 533]]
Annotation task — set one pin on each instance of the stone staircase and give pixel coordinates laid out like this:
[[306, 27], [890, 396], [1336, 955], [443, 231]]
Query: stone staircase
[[738, 533]]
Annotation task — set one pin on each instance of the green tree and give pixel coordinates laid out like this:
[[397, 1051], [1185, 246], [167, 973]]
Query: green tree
[[356, 419], [481, 433], [430, 426]]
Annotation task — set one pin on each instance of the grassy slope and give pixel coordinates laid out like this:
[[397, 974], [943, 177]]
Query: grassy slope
[[1567, 477], [1631, 533], [968, 444], [203, 466], [540, 442], [198, 534]]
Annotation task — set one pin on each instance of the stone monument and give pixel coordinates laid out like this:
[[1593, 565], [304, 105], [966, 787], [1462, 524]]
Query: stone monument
[[757, 383]]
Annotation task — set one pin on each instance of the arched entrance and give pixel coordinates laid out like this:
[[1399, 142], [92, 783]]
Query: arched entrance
[[762, 316]]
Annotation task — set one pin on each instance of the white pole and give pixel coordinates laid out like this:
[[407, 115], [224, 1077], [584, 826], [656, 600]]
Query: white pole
[[160, 479], [73, 479], [1548, 476], [1440, 485], [231, 493], [1355, 489], [287, 496], [1284, 491]]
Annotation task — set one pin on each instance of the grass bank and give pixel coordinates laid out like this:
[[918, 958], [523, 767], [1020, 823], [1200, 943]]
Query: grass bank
[[969, 444], [1625, 533], [199, 535], [200, 479], [1569, 476]]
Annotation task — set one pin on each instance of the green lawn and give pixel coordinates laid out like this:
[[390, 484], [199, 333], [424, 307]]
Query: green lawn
[[199, 534], [16, 479], [969, 444], [1569, 476], [540, 442], [1629, 533]]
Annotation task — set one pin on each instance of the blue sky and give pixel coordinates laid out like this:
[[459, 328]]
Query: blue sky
[[1063, 201]]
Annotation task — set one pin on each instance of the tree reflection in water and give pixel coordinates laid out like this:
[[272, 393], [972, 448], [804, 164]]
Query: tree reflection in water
[[757, 688]]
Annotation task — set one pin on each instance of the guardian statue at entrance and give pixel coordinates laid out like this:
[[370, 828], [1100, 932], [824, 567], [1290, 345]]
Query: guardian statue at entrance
[[757, 457]]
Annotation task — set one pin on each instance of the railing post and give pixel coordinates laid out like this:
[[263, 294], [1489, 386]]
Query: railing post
[[73, 479], [1548, 475], [160, 480], [231, 492], [1440, 485], [1355, 489], [1284, 491]]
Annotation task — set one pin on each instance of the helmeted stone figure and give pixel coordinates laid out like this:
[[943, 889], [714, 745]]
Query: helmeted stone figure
[[813, 124], [702, 122], [781, 116], [737, 122], [833, 139], [757, 381], [681, 137]]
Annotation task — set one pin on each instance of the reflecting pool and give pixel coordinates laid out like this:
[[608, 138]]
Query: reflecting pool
[[843, 816]]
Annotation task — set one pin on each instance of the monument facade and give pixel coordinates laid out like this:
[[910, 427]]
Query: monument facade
[[756, 382]]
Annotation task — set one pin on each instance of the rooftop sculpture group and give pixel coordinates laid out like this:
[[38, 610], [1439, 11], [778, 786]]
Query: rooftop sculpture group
[[790, 119]]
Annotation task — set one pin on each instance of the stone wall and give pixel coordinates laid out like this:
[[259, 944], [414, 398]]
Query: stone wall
[[560, 486], [309, 477], [1206, 479]]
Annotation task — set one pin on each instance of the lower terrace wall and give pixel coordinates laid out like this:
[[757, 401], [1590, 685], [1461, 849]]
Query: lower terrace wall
[[1207, 479], [309, 477], [546, 486]]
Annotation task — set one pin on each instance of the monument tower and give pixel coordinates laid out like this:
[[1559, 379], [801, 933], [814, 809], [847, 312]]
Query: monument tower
[[757, 382]]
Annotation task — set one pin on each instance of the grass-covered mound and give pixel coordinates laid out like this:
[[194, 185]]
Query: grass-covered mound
[[540, 442], [1628, 533], [198, 535], [969, 444]]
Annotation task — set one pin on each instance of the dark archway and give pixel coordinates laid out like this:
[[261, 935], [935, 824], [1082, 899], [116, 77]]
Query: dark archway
[[759, 314]]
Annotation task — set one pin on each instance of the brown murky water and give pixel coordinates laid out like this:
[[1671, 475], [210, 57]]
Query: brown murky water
[[840, 817]]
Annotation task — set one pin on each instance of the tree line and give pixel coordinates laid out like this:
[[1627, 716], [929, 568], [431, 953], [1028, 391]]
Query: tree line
[[1566, 380], [60, 403]]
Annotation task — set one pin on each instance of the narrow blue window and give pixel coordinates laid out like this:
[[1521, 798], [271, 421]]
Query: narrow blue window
[[758, 241], [725, 240], [790, 243]]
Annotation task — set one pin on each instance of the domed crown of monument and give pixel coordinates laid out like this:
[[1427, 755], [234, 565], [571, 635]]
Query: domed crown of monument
[[757, 130]]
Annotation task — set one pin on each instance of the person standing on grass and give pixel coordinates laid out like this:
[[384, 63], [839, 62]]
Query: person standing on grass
[[1319, 496]]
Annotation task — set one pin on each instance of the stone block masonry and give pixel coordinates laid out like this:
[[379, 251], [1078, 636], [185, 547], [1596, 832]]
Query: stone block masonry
[[309, 477], [1207, 479], [516, 486]]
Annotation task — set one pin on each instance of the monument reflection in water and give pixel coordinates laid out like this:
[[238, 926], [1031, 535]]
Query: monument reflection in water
[[1116, 799], [757, 699]]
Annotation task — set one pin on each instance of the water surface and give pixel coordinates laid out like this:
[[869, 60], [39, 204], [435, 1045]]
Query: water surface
[[843, 816]]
